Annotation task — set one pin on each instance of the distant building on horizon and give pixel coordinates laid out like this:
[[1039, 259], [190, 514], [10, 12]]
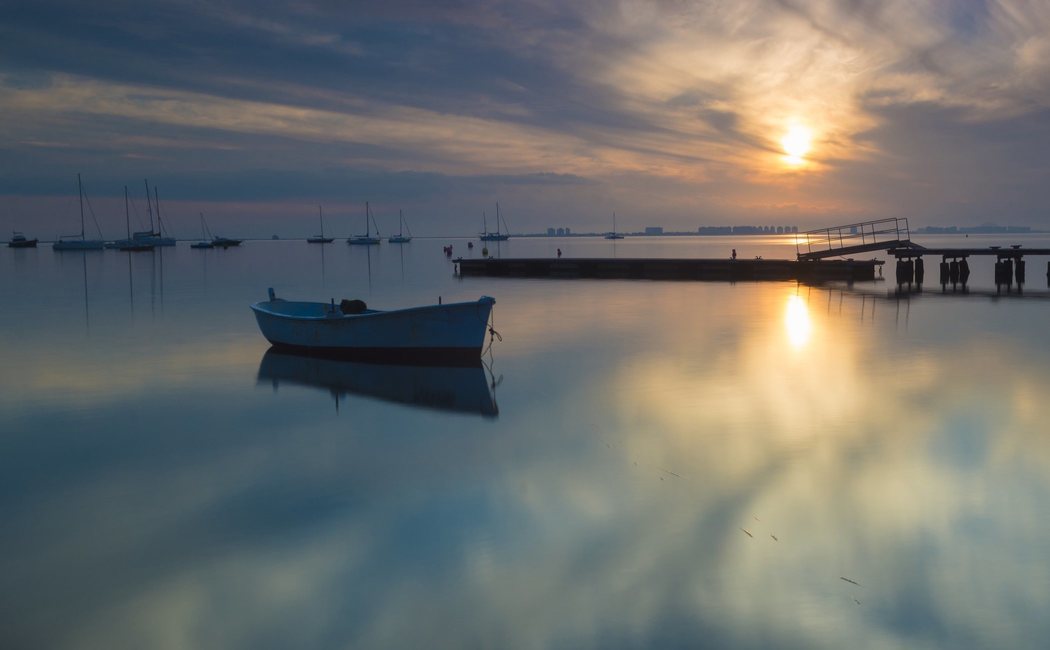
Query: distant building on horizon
[[747, 230], [654, 230], [983, 229]]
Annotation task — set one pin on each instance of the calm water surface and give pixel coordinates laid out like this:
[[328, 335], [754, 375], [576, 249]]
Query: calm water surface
[[639, 464]]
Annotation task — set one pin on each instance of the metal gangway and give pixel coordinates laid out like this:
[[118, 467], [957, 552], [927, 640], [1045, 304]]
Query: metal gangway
[[882, 234]]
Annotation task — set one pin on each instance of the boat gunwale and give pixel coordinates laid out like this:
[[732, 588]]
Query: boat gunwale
[[260, 307]]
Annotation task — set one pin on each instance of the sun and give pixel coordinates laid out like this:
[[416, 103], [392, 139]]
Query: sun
[[797, 142]]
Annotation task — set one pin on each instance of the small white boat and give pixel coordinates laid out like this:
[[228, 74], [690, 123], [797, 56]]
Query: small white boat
[[448, 332], [224, 242], [18, 240]]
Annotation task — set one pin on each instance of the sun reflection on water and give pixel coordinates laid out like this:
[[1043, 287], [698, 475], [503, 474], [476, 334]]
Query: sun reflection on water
[[796, 320]]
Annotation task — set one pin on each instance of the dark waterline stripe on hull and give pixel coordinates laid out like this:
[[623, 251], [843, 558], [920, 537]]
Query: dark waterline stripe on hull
[[459, 357]]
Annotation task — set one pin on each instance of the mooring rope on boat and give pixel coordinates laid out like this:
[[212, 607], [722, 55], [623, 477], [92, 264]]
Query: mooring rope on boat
[[493, 334]]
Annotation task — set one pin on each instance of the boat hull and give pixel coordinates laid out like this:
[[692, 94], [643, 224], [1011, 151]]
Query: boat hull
[[22, 243], [438, 333], [78, 245]]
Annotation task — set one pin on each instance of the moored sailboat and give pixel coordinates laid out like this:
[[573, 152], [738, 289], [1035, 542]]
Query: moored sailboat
[[79, 242], [400, 237], [366, 239], [155, 237], [320, 239], [131, 245], [613, 234], [205, 241], [495, 236]]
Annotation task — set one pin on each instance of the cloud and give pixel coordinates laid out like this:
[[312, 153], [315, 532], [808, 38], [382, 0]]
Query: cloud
[[692, 98]]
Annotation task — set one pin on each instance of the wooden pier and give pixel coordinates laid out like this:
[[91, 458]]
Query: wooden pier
[[814, 249], [672, 269]]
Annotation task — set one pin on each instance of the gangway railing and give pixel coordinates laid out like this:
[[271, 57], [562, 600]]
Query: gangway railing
[[881, 234]]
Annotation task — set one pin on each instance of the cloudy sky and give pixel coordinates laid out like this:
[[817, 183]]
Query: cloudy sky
[[676, 113]]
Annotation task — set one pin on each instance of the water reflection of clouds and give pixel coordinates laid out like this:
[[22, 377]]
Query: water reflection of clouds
[[612, 512], [843, 451]]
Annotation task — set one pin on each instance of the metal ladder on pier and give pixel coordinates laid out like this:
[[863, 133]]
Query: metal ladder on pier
[[882, 234]]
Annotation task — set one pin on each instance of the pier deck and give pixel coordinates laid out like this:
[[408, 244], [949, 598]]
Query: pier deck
[[672, 269], [997, 251]]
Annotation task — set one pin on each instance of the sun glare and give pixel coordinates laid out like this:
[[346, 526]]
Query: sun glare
[[797, 142]]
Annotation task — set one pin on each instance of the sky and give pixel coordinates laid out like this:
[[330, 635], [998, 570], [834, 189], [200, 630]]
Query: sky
[[668, 112]]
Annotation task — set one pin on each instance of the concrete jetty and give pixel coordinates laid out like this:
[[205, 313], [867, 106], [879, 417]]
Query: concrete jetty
[[672, 269]]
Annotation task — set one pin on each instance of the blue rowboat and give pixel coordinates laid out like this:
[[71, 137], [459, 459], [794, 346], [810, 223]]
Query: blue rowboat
[[442, 332]]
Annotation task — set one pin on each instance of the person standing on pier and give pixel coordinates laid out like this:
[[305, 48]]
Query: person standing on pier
[[733, 255]]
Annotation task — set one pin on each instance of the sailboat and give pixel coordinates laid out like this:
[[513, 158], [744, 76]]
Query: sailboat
[[366, 239], [613, 234], [400, 237], [72, 242], [205, 241], [132, 244], [494, 236], [320, 239], [155, 237]]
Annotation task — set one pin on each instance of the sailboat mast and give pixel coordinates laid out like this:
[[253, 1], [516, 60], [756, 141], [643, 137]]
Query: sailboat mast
[[80, 192], [127, 212], [400, 223], [367, 231], [497, 217], [321, 217], [156, 199], [149, 206]]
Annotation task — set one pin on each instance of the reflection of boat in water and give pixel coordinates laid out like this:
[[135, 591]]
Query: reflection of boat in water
[[462, 389]]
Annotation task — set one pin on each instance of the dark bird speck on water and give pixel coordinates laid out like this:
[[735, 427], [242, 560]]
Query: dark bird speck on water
[[748, 532], [852, 582]]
